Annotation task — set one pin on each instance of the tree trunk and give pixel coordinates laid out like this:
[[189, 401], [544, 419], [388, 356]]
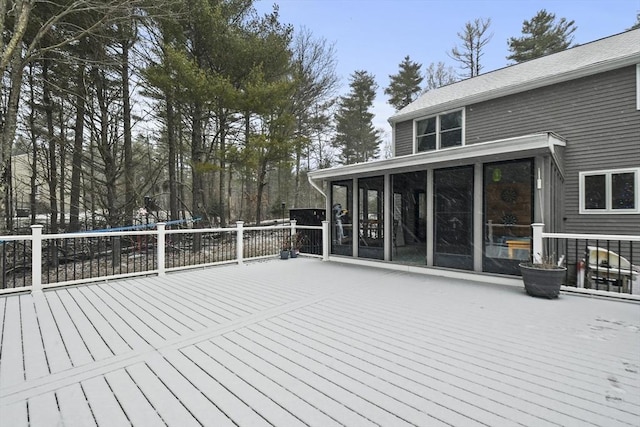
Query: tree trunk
[[106, 151], [53, 164], [76, 168], [34, 148], [8, 134], [63, 163], [197, 191], [262, 175], [173, 160], [223, 160], [129, 199]]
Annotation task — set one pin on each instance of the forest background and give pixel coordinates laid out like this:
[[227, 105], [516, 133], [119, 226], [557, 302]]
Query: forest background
[[120, 111]]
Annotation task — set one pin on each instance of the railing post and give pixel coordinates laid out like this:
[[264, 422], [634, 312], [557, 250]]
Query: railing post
[[293, 223], [538, 251], [161, 247], [36, 258], [325, 240], [240, 241]]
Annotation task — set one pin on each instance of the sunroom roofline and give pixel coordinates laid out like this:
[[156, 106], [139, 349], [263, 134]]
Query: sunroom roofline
[[525, 145]]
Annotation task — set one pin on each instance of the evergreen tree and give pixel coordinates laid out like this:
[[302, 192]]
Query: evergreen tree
[[542, 35], [637, 24], [358, 140], [473, 42], [404, 87]]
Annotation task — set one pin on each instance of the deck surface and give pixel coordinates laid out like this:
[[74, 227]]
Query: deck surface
[[302, 342]]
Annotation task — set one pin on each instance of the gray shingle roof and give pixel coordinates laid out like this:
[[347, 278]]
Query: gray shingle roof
[[587, 59]]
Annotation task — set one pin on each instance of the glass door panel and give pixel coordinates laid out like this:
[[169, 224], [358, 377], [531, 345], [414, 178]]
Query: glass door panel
[[341, 218], [371, 218], [409, 218], [508, 214], [453, 225]]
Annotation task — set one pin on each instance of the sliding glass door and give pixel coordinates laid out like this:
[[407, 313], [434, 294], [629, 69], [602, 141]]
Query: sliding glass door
[[508, 214], [453, 221]]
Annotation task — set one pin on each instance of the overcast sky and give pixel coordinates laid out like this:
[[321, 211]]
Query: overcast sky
[[375, 35]]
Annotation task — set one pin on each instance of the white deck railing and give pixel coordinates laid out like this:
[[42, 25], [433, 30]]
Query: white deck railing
[[609, 262], [249, 243]]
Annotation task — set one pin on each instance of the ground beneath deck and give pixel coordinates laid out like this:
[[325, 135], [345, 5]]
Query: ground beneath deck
[[306, 342]]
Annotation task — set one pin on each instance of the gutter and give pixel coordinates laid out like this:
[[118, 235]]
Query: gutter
[[314, 185]]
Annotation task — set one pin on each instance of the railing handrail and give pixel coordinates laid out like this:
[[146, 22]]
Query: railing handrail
[[160, 232], [591, 236], [116, 232]]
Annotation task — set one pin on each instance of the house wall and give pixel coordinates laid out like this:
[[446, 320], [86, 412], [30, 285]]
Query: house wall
[[596, 115], [404, 138]]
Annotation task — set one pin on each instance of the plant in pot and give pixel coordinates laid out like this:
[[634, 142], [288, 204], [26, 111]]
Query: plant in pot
[[285, 250], [543, 277], [297, 240]]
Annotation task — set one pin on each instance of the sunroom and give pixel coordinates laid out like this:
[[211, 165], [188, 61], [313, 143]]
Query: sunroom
[[465, 207]]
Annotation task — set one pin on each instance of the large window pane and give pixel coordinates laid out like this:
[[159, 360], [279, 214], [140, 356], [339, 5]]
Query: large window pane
[[453, 205], [595, 189], [409, 218], [371, 218], [426, 126], [341, 218], [451, 121], [508, 193], [452, 138], [623, 190], [427, 143]]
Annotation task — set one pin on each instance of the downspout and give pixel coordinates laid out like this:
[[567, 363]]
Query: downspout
[[314, 185]]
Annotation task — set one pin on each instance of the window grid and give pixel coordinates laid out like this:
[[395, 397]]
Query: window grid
[[422, 137], [608, 206]]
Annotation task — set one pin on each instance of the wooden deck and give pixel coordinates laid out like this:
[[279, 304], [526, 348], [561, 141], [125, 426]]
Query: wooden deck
[[302, 342]]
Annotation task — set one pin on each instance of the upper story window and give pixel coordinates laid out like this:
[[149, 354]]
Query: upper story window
[[610, 191], [438, 132]]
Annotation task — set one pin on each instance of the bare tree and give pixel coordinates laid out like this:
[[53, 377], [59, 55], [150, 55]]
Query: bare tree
[[474, 38], [438, 75]]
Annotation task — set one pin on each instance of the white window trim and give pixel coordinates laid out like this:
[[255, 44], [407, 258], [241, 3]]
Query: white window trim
[[638, 87], [609, 210], [437, 117]]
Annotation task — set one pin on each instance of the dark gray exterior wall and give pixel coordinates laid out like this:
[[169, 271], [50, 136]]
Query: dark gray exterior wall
[[404, 138], [598, 118]]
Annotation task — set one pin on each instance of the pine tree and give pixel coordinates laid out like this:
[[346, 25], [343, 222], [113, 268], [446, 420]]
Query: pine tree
[[404, 87], [637, 24], [358, 140], [542, 35]]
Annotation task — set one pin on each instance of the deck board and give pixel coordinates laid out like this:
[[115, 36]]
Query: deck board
[[35, 359], [76, 346], [172, 410], [138, 409], [259, 380], [74, 408], [43, 410], [11, 352], [304, 342], [105, 407]]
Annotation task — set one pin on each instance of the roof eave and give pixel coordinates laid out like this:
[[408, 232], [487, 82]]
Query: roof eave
[[589, 70], [524, 145]]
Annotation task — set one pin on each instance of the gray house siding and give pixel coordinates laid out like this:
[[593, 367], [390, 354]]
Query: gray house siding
[[404, 138], [596, 115]]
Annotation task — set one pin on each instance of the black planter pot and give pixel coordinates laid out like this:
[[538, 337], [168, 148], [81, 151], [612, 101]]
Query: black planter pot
[[284, 254], [542, 282]]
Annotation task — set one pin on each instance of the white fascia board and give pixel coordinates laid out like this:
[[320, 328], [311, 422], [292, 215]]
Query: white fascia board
[[522, 145]]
